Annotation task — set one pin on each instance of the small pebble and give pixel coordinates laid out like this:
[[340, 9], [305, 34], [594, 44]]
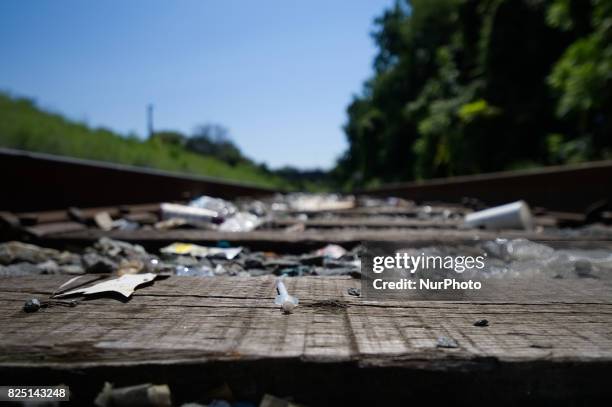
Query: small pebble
[[481, 322], [446, 342], [31, 305], [354, 291]]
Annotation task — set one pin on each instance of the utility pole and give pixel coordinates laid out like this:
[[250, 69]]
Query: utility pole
[[150, 119]]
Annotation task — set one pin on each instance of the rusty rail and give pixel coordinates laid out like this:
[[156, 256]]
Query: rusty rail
[[572, 188], [35, 181]]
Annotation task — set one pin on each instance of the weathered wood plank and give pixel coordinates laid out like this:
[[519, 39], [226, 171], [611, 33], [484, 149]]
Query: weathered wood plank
[[88, 213], [44, 229], [229, 318], [194, 332], [409, 211], [363, 222], [300, 241]]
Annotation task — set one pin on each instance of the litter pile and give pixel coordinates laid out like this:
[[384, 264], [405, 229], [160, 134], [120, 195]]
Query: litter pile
[[286, 215], [512, 258], [108, 256], [196, 245], [505, 257], [293, 214]]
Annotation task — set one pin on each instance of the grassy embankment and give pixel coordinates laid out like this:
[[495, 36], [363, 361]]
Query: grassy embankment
[[25, 126]]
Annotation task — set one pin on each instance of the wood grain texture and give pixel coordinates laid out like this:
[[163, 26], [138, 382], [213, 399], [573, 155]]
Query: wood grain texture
[[298, 242], [205, 319], [196, 333], [367, 222]]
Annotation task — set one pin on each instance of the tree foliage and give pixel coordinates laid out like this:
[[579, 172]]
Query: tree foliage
[[214, 140], [466, 86]]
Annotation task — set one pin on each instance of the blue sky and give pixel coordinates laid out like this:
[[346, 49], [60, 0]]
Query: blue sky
[[279, 74]]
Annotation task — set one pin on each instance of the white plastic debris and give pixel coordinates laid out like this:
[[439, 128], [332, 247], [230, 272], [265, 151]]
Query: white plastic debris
[[194, 271], [201, 251], [320, 202], [286, 301], [220, 206], [103, 221], [170, 210], [515, 215], [171, 223], [331, 250], [241, 222], [124, 285]]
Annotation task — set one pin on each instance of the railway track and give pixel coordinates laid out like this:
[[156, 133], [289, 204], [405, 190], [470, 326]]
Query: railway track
[[571, 188], [35, 181], [214, 322]]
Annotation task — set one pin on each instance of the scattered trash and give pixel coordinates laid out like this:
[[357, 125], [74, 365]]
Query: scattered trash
[[201, 251], [197, 271], [149, 395], [103, 221], [522, 257], [332, 251], [319, 202], [124, 224], [241, 222], [67, 283], [171, 223], [117, 248], [72, 269], [71, 284], [518, 249], [221, 207], [31, 305], [516, 215], [132, 266], [126, 261], [124, 285], [354, 291], [170, 210], [48, 267], [287, 302], [446, 342]]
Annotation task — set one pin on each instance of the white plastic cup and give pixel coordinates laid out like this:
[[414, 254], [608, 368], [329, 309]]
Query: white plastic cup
[[515, 215]]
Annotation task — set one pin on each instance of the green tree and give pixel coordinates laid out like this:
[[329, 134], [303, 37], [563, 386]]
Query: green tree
[[467, 86]]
